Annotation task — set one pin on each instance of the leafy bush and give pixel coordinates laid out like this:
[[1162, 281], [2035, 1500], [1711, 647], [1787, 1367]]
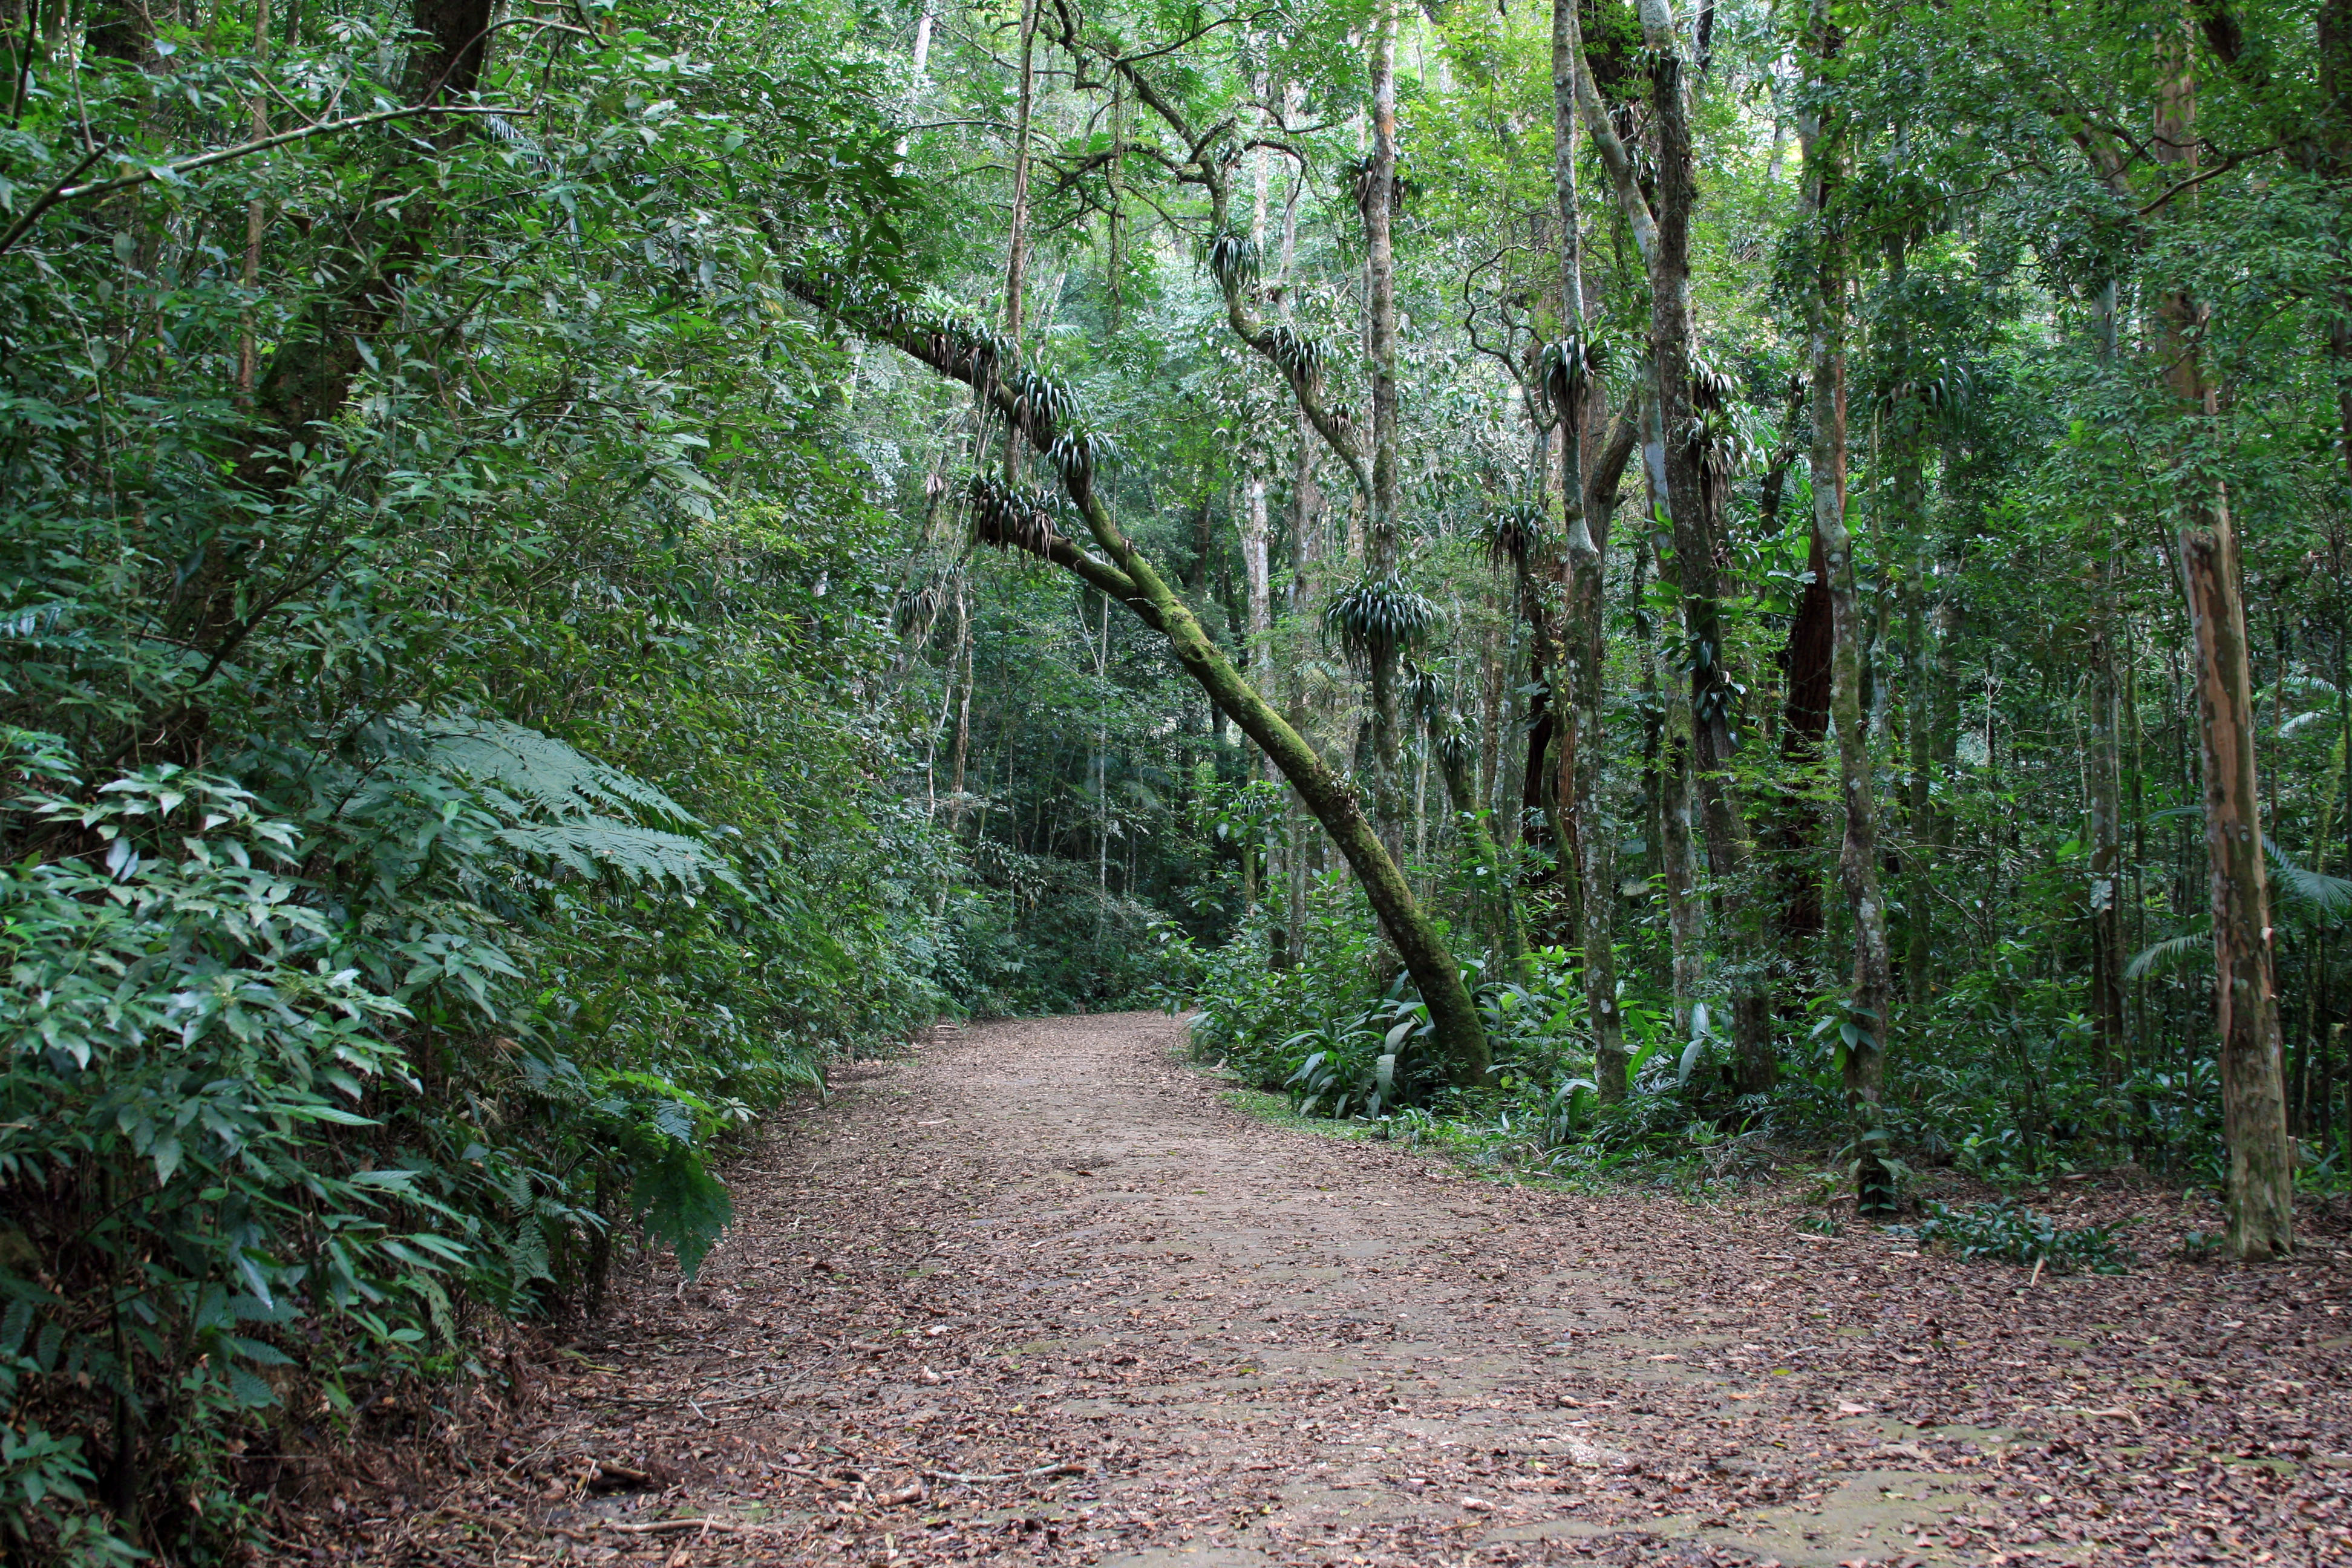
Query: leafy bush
[[2012, 1233]]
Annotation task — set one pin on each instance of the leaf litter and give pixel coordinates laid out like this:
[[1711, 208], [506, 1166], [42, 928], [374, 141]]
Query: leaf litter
[[1038, 1292]]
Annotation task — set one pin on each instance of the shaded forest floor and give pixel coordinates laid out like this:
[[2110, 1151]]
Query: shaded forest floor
[[1039, 1292]]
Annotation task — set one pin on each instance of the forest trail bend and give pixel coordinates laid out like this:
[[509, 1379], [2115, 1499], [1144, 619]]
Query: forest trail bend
[[1038, 1292]]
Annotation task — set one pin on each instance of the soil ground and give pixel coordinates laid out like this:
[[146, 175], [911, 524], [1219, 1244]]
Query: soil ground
[[1040, 1291]]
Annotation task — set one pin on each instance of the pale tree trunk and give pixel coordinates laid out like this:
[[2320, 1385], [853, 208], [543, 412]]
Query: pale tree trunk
[[2254, 1089], [2103, 803], [1584, 567], [1377, 199], [1258, 590], [1256, 569], [1016, 262], [1258, 575], [1306, 548], [1865, 1032], [922, 67], [959, 683], [247, 345], [1102, 775]]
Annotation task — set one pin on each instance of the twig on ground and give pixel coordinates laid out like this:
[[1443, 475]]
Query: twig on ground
[[671, 1526], [1063, 1468]]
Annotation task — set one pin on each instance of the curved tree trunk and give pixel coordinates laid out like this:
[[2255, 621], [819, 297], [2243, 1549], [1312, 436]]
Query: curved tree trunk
[[1461, 1038], [1124, 573]]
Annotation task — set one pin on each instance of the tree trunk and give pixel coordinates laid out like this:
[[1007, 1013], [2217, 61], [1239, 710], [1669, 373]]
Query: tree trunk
[[1863, 1033], [1377, 198], [1016, 260], [1257, 573], [1460, 1037], [1663, 235], [1685, 912], [960, 682], [2253, 1100], [2103, 803], [2254, 1089], [1124, 573], [1584, 572], [1808, 667]]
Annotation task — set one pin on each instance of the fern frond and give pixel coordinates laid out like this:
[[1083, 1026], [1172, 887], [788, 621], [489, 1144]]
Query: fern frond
[[600, 845], [2169, 955], [541, 771]]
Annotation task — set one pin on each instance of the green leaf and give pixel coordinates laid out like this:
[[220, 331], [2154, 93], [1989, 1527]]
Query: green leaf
[[679, 1202]]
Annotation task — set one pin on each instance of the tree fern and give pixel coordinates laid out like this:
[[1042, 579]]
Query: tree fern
[[563, 809], [596, 845], [538, 771]]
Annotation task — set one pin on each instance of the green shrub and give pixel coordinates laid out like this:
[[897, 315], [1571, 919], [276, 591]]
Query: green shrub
[[2012, 1233]]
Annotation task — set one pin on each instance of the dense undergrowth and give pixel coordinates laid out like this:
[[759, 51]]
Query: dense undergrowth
[[1339, 1033], [437, 817]]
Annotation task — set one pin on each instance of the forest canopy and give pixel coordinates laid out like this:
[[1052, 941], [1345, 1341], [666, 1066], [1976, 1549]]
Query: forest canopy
[[1625, 582]]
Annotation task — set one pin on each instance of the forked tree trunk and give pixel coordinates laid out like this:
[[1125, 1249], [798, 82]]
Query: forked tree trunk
[[1663, 235]]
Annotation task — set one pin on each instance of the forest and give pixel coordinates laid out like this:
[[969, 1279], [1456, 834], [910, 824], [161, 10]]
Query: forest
[[1639, 597]]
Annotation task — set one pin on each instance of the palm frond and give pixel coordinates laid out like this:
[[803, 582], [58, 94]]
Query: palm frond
[[2169, 955], [2328, 895]]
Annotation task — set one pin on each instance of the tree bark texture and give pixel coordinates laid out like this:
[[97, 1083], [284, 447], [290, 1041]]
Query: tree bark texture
[[1661, 233], [1584, 568], [2253, 1086], [1864, 1031], [1016, 259], [1376, 196]]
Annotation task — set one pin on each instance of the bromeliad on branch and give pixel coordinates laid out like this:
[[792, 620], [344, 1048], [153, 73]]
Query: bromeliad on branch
[[1046, 416]]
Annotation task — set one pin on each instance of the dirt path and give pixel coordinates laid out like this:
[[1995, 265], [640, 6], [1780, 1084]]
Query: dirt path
[[1038, 1292]]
